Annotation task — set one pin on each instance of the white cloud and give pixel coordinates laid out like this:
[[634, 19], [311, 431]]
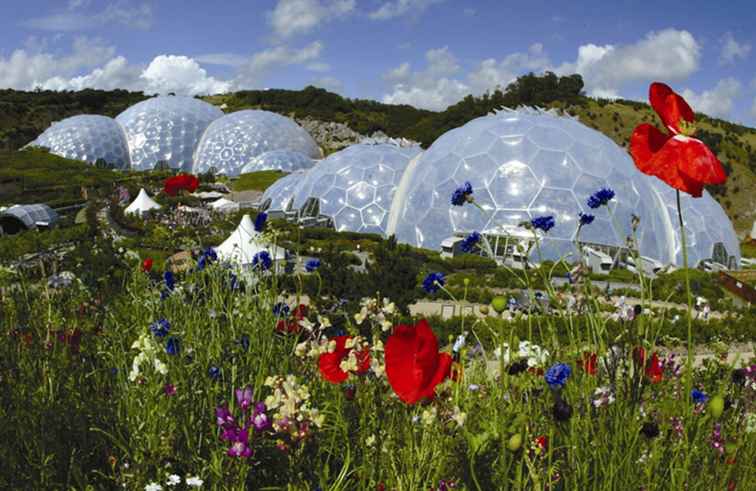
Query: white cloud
[[436, 87], [27, 68], [318, 66], [225, 59], [292, 17], [665, 55], [254, 70], [400, 8], [74, 19], [331, 84], [182, 75], [717, 102], [732, 50], [115, 74]]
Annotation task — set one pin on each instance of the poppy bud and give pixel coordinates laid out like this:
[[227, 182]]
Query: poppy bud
[[562, 410], [515, 442], [499, 304], [650, 429], [716, 406]]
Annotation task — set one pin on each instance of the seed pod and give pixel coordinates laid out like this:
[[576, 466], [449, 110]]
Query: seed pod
[[716, 406], [515, 442]]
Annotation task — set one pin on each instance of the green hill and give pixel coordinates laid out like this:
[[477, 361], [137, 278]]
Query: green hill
[[23, 115]]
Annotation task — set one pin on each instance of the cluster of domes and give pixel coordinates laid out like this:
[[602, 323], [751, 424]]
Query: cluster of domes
[[187, 134]]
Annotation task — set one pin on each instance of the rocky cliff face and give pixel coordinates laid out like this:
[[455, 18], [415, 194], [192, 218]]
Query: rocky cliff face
[[332, 136]]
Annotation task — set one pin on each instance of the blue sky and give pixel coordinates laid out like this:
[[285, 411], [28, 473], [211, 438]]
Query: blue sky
[[428, 53]]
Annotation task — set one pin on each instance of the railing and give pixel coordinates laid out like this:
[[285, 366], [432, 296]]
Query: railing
[[740, 284]]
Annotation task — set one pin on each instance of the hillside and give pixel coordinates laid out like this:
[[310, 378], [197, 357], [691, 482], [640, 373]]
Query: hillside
[[23, 115]]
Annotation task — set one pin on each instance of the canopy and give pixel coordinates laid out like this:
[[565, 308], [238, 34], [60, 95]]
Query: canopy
[[141, 204], [27, 217], [244, 243], [225, 205], [208, 195]]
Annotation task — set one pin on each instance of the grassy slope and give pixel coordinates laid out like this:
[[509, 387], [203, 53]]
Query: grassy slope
[[259, 181]]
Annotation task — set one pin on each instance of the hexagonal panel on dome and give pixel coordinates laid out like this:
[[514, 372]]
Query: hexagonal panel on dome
[[281, 192], [356, 185], [166, 128], [561, 204], [283, 160], [237, 139], [88, 138], [554, 169]]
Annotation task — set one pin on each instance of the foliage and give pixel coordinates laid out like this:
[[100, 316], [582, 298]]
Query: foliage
[[258, 181]]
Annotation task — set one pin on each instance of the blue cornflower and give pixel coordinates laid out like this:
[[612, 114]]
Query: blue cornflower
[[170, 281], [173, 346], [160, 328], [260, 220], [207, 257], [586, 218], [281, 310], [698, 396], [557, 375], [263, 260], [600, 197], [470, 242], [433, 282], [234, 282], [214, 373], [244, 342], [312, 265], [462, 194], [543, 223]]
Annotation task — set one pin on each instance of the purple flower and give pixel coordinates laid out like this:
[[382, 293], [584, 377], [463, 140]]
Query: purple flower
[[462, 194], [240, 447], [169, 389], [543, 223], [260, 220], [470, 241], [586, 218], [260, 419], [244, 397], [312, 265], [433, 282], [557, 375], [206, 258], [600, 198], [173, 346], [263, 260], [223, 417], [281, 310], [244, 342], [160, 328]]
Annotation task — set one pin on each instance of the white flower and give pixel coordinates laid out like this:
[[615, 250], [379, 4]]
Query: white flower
[[153, 486], [160, 367], [194, 482], [173, 479], [370, 441], [459, 417]]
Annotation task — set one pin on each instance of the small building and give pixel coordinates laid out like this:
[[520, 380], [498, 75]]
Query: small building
[[598, 262], [651, 267], [451, 247], [19, 218]]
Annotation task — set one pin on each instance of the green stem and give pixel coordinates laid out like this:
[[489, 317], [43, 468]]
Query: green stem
[[689, 367]]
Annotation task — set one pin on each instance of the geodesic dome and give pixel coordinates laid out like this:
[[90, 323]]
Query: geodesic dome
[[166, 128], [709, 234], [355, 186], [27, 217], [279, 195], [88, 138], [234, 140], [523, 164], [284, 160]]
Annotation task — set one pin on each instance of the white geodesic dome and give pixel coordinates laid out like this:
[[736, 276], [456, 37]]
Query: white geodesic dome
[[283, 160], [234, 140], [523, 164], [88, 138], [709, 233], [166, 128], [355, 186], [279, 195]]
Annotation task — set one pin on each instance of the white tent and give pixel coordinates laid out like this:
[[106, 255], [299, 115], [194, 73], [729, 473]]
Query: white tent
[[753, 231], [225, 205], [208, 195], [244, 242], [141, 204]]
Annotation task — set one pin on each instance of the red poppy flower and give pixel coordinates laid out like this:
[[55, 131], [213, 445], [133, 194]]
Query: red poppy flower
[[291, 325], [639, 355], [147, 265], [414, 366], [542, 442], [654, 369], [588, 363], [186, 182], [683, 162], [329, 363]]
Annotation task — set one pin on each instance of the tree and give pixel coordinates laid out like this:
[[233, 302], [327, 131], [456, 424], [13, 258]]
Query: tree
[[393, 273]]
